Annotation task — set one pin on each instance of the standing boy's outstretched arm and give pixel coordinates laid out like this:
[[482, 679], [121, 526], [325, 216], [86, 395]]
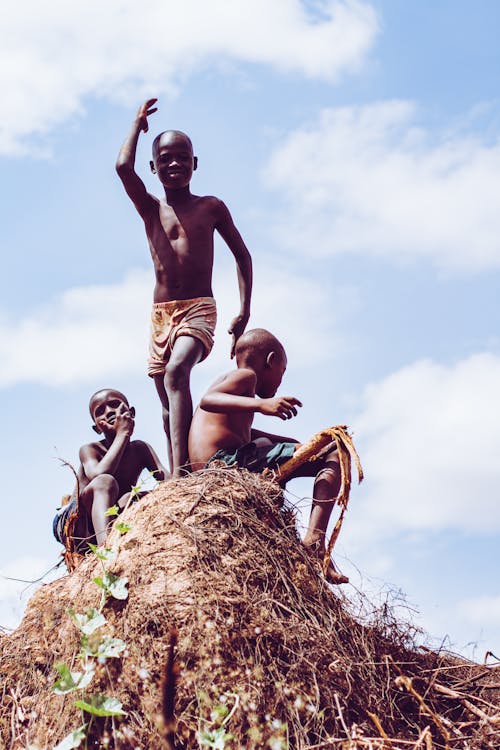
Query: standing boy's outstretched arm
[[125, 164], [233, 239]]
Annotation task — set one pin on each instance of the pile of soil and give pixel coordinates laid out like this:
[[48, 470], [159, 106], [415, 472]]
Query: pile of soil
[[267, 655]]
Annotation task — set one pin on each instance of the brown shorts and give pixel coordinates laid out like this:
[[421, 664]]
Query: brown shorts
[[185, 317]]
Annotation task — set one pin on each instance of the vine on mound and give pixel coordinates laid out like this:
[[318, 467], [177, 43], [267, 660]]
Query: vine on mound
[[268, 656]]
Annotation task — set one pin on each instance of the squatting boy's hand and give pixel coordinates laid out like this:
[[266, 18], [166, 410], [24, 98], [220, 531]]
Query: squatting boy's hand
[[144, 111], [284, 407], [238, 325], [124, 422]]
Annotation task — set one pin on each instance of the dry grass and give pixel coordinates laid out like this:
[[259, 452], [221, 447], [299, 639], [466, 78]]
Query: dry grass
[[267, 652]]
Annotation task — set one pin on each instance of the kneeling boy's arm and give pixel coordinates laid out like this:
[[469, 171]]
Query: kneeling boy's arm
[[233, 394]]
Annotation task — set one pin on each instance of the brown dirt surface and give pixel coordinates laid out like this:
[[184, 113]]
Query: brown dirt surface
[[268, 655]]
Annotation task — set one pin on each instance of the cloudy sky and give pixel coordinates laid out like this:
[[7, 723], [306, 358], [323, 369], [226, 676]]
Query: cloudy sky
[[357, 145]]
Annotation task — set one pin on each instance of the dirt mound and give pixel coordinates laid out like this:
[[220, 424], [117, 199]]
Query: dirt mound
[[267, 655]]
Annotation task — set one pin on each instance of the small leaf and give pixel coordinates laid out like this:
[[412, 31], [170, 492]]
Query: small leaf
[[118, 588], [88, 622], [216, 738], [121, 527], [113, 585], [104, 553], [101, 705], [219, 712], [111, 647], [70, 681], [72, 740], [113, 511]]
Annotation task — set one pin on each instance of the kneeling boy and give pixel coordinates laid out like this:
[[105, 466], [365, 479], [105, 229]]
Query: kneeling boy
[[108, 470], [222, 430]]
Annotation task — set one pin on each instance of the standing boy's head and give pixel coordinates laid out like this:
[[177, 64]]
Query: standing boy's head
[[261, 352], [173, 159], [105, 406]]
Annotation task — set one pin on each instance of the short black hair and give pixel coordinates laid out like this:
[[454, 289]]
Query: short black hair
[[104, 390], [154, 147], [261, 340]]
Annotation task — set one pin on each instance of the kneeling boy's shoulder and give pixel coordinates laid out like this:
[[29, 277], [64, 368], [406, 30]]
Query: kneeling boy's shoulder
[[244, 376]]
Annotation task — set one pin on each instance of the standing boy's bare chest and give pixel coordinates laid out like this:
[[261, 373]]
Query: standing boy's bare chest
[[184, 229]]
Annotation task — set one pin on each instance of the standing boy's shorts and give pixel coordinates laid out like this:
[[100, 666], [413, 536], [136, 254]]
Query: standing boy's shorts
[[254, 457], [185, 317]]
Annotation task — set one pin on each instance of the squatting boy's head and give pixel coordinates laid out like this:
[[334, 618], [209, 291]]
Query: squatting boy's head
[[265, 354], [105, 405]]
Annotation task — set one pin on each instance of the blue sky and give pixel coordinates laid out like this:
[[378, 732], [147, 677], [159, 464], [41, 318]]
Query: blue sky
[[357, 145]]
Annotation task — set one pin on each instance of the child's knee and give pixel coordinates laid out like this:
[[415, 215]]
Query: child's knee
[[105, 483], [329, 474], [177, 375]]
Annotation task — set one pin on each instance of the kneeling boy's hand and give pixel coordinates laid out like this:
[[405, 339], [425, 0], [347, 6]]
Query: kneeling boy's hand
[[284, 407]]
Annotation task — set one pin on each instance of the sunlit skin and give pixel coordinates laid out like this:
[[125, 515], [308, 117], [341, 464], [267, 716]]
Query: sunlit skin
[[180, 230], [110, 467], [224, 420]]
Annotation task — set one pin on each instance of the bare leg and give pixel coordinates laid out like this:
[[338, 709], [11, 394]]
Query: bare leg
[[186, 352], [165, 409], [99, 495], [326, 489]]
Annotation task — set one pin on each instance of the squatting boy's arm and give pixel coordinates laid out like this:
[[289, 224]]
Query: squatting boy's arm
[[125, 164], [233, 239], [90, 456], [228, 396], [152, 463]]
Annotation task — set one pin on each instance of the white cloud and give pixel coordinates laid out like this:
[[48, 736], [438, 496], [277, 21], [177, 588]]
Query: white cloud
[[429, 437], [480, 610], [54, 54], [370, 180], [93, 332], [15, 589], [85, 333]]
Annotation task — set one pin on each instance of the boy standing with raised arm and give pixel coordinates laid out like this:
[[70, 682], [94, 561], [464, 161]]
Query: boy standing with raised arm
[[180, 230], [221, 430]]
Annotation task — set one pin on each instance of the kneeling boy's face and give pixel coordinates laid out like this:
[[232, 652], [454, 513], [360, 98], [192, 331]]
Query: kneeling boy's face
[[272, 374], [106, 407]]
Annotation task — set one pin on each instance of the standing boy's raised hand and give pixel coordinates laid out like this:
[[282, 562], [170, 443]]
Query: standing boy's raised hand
[[145, 110]]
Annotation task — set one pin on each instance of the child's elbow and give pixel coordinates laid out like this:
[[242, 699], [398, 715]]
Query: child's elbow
[[207, 404], [121, 167]]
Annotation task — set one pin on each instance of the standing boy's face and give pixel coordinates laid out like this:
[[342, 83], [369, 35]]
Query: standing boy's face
[[173, 160]]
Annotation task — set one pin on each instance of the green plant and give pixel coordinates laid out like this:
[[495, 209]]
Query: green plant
[[96, 646]]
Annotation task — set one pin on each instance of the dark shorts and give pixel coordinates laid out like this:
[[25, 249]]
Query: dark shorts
[[254, 457], [61, 518]]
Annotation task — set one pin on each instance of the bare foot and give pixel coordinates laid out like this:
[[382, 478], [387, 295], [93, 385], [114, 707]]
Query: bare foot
[[317, 551]]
